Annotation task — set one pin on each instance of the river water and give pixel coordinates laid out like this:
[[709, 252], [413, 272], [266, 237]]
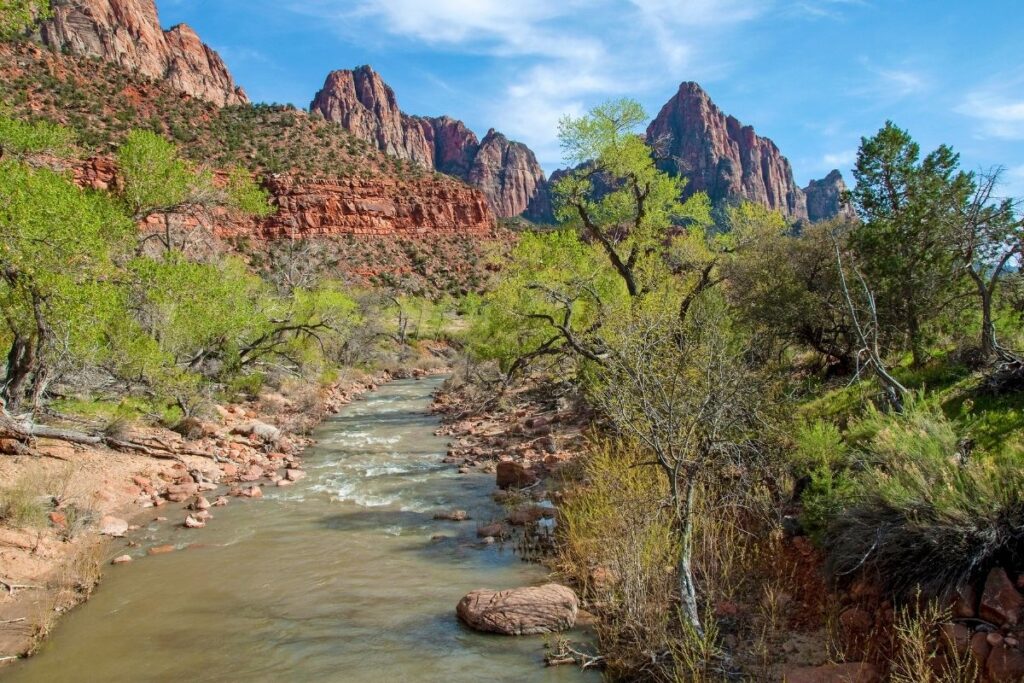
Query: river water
[[338, 578]]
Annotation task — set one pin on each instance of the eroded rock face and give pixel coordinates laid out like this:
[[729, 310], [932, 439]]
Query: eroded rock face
[[825, 199], [520, 611], [128, 33], [319, 207], [507, 172], [729, 161]]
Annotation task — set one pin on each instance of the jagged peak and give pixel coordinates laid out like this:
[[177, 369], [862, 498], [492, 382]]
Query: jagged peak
[[128, 33]]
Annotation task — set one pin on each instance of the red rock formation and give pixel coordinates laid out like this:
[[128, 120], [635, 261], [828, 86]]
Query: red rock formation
[[721, 156], [379, 206], [507, 172], [128, 33], [376, 206]]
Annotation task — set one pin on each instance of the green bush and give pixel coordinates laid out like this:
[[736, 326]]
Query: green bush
[[927, 514]]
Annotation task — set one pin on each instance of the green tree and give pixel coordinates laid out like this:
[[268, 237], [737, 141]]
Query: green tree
[[20, 138], [157, 181], [617, 197], [909, 208], [17, 16], [58, 251], [989, 237], [786, 285]]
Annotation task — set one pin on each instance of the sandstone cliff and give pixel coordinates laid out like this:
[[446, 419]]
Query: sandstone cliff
[[325, 207], [825, 198], [731, 162], [128, 34], [506, 171]]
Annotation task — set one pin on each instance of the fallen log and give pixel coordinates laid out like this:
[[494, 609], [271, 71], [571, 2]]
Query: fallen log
[[24, 431]]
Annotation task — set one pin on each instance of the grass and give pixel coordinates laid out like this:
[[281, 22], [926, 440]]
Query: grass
[[24, 504]]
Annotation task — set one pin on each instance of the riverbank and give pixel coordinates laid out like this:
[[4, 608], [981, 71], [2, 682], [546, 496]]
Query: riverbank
[[78, 503], [353, 569]]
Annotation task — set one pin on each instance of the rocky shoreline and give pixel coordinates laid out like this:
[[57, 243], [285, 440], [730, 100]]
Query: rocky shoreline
[[104, 496]]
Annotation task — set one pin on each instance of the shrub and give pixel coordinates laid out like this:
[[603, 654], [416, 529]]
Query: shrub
[[928, 516]]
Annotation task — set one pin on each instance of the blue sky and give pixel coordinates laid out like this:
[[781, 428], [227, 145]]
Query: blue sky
[[814, 75]]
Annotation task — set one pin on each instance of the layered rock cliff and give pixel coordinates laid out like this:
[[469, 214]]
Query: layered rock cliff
[[325, 207], [506, 171], [730, 162], [128, 33]]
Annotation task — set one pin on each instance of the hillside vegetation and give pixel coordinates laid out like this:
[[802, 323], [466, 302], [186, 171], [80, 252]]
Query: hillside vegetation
[[770, 397]]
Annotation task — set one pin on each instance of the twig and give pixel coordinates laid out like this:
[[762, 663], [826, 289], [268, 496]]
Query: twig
[[11, 586], [12, 621], [9, 658]]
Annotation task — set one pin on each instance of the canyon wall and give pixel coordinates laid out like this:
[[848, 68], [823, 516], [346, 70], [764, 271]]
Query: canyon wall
[[128, 33], [506, 171]]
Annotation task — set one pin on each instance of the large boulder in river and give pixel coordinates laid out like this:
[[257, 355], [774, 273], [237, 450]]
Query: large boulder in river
[[514, 475], [260, 430], [520, 611]]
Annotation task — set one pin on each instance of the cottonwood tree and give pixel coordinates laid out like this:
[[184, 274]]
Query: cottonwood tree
[[17, 16], [58, 251], [156, 181], [619, 214], [910, 208]]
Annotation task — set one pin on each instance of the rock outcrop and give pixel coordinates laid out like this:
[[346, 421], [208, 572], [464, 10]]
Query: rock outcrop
[[506, 171], [520, 611], [128, 33], [825, 198], [322, 207], [729, 161]]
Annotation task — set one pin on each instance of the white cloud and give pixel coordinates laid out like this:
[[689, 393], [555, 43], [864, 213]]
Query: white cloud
[[555, 58], [843, 159], [998, 114]]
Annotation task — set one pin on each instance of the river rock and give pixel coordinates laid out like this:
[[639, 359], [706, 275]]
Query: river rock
[[121, 559], [852, 672], [191, 522], [496, 530], [453, 515], [520, 611], [294, 474], [1001, 603], [113, 526], [513, 475], [1005, 665], [161, 550], [260, 430]]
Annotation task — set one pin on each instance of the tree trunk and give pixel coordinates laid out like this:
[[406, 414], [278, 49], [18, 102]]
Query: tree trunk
[[21, 362], [687, 586], [988, 327], [917, 349]]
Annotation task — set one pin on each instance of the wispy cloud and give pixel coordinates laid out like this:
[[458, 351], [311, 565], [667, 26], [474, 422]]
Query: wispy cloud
[[555, 58], [841, 159], [998, 110]]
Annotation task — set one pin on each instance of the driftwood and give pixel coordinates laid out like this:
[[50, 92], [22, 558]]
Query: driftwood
[[12, 587], [24, 431]]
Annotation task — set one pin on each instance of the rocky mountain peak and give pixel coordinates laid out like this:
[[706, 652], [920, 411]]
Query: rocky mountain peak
[[728, 160], [507, 172], [825, 198], [128, 34]]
